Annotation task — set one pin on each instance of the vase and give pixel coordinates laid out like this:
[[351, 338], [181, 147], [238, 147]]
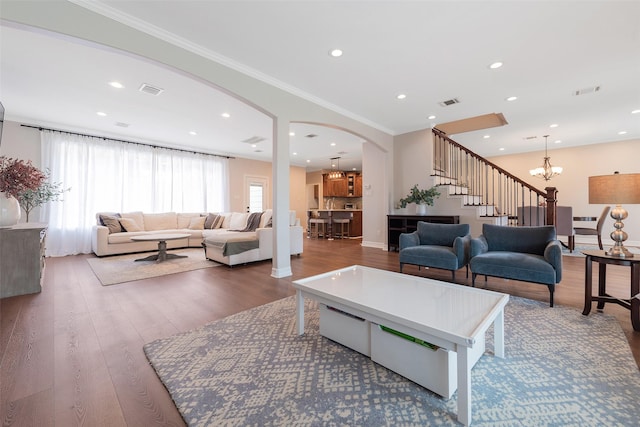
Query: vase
[[9, 210], [421, 209]]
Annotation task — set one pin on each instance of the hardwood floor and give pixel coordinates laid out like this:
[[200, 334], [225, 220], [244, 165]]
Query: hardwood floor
[[72, 355]]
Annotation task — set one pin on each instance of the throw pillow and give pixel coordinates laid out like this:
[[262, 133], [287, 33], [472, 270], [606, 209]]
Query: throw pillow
[[197, 223], [112, 223], [213, 221], [130, 225], [269, 223]]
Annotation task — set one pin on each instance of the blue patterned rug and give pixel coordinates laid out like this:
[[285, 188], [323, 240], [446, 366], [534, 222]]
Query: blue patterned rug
[[561, 369]]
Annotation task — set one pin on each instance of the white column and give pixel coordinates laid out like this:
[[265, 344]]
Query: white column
[[281, 263]]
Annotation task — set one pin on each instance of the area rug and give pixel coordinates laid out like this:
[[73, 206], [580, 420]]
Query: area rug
[[124, 268], [561, 369]]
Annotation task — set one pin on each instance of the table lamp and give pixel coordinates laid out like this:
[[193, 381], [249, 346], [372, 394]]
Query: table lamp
[[616, 189]]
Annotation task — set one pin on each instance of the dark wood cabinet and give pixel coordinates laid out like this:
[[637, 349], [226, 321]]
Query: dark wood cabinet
[[356, 224], [398, 224], [348, 186]]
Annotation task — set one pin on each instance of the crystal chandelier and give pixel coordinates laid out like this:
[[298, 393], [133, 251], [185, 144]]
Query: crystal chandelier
[[546, 171], [335, 172]]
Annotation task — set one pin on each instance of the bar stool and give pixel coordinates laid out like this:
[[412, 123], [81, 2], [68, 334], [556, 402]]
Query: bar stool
[[339, 228], [318, 226]]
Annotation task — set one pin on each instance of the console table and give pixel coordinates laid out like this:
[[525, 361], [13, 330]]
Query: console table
[[398, 224], [21, 259], [633, 303]]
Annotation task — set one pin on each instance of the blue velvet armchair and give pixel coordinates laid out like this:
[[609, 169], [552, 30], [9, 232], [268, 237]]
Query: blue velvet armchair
[[530, 254], [444, 246]]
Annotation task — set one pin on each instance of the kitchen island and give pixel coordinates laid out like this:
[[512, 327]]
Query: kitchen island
[[355, 215]]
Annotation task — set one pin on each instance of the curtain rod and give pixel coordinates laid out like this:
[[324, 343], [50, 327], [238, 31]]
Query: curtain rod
[[40, 128]]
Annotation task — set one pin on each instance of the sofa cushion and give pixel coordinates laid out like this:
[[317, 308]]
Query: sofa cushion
[[112, 222], [238, 220], [196, 223], [532, 240], [436, 256], [185, 218], [137, 216], [265, 218], [130, 225], [226, 219], [160, 221], [514, 265], [213, 221]]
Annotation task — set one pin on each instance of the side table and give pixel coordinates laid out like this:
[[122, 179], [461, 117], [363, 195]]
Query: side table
[[633, 303]]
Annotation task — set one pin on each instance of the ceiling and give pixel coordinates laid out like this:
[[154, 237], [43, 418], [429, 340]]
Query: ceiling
[[430, 51]]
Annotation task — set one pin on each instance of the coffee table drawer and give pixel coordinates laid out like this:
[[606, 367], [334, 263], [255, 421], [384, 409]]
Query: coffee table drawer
[[434, 369], [346, 329]]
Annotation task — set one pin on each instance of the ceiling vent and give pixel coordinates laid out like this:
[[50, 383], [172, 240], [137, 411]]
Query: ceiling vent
[[449, 102], [529, 138], [123, 125], [311, 135], [587, 90], [151, 90], [254, 140]]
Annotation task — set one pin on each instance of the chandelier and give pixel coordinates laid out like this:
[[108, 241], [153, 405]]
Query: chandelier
[[335, 172], [546, 171]]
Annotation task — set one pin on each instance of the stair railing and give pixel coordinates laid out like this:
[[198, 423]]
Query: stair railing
[[499, 192]]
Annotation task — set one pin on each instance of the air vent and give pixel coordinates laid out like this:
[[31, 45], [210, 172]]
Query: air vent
[[449, 102], [254, 140], [311, 135], [587, 90], [123, 125], [529, 138], [151, 90]]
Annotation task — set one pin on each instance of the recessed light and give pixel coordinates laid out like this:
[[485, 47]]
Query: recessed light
[[354, 169], [486, 136], [308, 161], [401, 96], [557, 141], [431, 117], [226, 115], [501, 149], [101, 114], [495, 65], [292, 134], [117, 85], [635, 112], [333, 144], [295, 154], [253, 145], [555, 125], [192, 132], [622, 132], [512, 98], [336, 53]]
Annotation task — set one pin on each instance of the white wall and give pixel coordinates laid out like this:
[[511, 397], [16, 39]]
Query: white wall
[[579, 164], [413, 163]]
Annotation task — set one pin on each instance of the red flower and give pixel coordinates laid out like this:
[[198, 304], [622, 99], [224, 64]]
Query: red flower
[[18, 176]]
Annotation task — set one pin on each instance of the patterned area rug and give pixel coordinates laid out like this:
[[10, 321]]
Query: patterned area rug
[[561, 368], [124, 268]]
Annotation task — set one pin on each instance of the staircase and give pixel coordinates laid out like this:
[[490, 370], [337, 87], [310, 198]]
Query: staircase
[[480, 191]]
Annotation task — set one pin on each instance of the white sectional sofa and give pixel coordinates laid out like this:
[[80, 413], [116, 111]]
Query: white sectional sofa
[[113, 231]]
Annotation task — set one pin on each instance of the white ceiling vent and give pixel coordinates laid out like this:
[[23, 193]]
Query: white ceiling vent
[[449, 102], [587, 90], [254, 140], [151, 90], [311, 135], [529, 138]]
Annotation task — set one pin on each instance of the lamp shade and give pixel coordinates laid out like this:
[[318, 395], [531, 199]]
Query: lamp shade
[[615, 189]]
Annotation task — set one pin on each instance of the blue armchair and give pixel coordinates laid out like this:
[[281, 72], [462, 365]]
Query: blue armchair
[[444, 246], [531, 254]]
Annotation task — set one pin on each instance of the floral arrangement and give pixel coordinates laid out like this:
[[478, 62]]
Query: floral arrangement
[[18, 176], [28, 184], [418, 196]]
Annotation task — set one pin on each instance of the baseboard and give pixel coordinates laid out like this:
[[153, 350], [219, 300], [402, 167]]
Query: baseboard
[[378, 245], [281, 272]]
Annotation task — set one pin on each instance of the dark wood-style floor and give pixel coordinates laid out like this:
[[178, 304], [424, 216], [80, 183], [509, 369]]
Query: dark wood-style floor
[[72, 355]]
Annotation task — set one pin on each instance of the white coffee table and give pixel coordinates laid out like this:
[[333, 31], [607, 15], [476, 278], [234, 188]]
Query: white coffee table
[[453, 317], [162, 254]]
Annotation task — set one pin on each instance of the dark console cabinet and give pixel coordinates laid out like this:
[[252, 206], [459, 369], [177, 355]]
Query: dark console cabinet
[[398, 224]]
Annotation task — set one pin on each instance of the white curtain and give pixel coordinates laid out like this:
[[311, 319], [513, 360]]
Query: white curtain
[[112, 176]]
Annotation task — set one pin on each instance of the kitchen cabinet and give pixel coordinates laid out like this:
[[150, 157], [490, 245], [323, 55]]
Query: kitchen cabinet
[[348, 186]]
